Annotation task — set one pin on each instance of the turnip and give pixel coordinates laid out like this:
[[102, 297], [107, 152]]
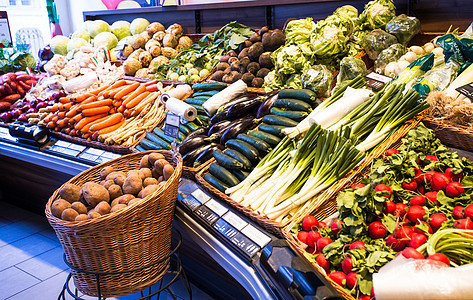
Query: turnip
[[463, 224], [340, 278], [417, 240], [400, 209], [323, 262], [414, 213], [390, 152], [376, 230], [322, 242], [454, 189], [312, 238], [439, 257], [436, 221], [432, 196], [410, 186], [429, 229], [419, 177], [347, 265], [410, 252], [384, 188], [351, 280], [302, 236], [454, 177], [309, 222], [395, 244], [358, 186], [428, 175], [403, 233], [418, 200], [468, 212], [389, 207], [357, 244], [322, 224], [458, 212], [336, 226], [439, 181]]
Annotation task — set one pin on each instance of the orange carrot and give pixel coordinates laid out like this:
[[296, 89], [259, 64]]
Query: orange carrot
[[100, 89], [133, 102], [61, 123], [89, 99], [121, 109], [141, 89], [111, 128], [151, 82], [83, 97], [64, 100], [126, 90], [73, 111], [84, 121], [152, 88], [105, 102], [51, 124], [54, 118], [95, 111], [76, 118], [54, 107], [86, 128], [117, 103], [61, 115], [67, 130], [109, 121]]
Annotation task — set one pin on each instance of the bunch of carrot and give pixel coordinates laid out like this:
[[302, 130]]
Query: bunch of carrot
[[101, 111]]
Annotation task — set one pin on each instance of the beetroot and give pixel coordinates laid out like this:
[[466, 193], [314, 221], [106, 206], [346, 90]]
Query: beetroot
[[311, 250], [414, 213], [351, 280], [312, 238], [376, 230], [385, 188], [418, 176], [417, 240], [439, 181], [439, 257], [468, 212], [463, 224], [347, 264], [390, 152], [364, 297], [302, 236], [436, 221], [400, 210], [428, 175], [358, 186], [454, 189], [410, 252], [458, 212], [323, 262], [432, 196], [336, 226], [357, 244], [309, 222], [395, 244], [389, 207], [322, 242], [340, 278], [418, 200], [410, 186], [454, 177]]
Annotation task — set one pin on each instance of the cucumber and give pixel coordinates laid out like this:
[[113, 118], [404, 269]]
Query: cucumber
[[244, 148], [209, 86], [215, 182], [141, 149], [239, 157], [291, 114], [194, 101], [226, 161], [155, 139], [267, 137], [258, 143], [272, 129], [205, 93], [299, 94], [292, 104], [159, 133], [240, 174], [148, 145], [278, 120], [223, 174]]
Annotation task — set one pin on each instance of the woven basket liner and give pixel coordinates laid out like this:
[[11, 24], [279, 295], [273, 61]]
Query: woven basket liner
[[128, 239], [454, 135]]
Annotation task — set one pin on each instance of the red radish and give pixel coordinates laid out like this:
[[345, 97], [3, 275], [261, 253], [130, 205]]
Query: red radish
[[463, 224], [418, 176], [403, 233], [389, 207], [429, 229], [468, 212], [312, 238], [384, 188], [309, 222], [414, 213], [428, 175], [417, 240], [401, 209], [432, 196], [458, 212], [358, 186], [431, 158], [440, 257], [357, 244], [410, 186], [454, 189], [322, 242], [336, 226], [351, 280], [439, 181], [364, 297], [376, 230], [436, 221], [339, 277], [454, 177], [390, 152], [410, 252], [322, 224], [302, 236], [311, 250], [372, 293], [395, 244], [418, 200], [347, 265], [323, 262], [420, 189]]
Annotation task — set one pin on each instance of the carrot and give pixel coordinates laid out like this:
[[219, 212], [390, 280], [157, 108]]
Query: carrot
[[95, 111], [128, 113], [110, 93], [83, 97], [47, 119], [86, 128], [67, 130], [76, 118], [61, 123], [152, 88], [86, 135], [127, 90], [67, 106], [111, 128], [51, 124], [106, 102], [133, 102], [94, 135], [54, 107], [138, 91], [61, 115], [100, 89], [84, 121], [151, 82], [117, 103], [109, 121], [64, 100], [73, 111], [130, 82], [73, 132], [54, 118], [121, 109], [89, 99]]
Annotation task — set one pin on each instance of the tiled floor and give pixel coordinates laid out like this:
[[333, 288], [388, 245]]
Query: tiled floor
[[31, 260]]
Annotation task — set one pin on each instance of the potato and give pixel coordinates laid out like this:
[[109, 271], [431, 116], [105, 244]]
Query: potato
[[59, 206], [70, 192], [94, 193], [150, 189], [102, 182], [108, 183], [114, 202], [142, 175], [154, 173], [81, 217], [167, 171], [140, 194], [160, 179], [133, 173], [125, 198], [132, 185], [93, 215], [144, 162], [119, 178], [159, 165], [69, 214], [79, 207], [103, 208], [149, 181], [105, 171], [133, 201], [152, 157], [118, 207], [115, 191], [146, 172], [110, 176]]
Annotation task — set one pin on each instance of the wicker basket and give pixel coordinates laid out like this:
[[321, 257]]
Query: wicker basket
[[132, 238], [454, 135]]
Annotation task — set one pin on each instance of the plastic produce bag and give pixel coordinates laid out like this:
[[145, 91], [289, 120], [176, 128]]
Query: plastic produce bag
[[318, 79], [390, 54], [456, 48], [404, 28], [422, 279], [350, 67], [376, 41], [436, 79]]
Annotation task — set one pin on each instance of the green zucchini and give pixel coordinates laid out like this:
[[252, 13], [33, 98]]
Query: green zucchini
[[215, 182], [291, 114], [209, 86], [181, 136], [194, 101], [267, 137], [223, 174], [244, 148], [148, 145], [292, 104], [159, 133], [299, 94], [205, 93], [239, 157], [272, 129], [258, 143], [192, 126], [184, 130], [226, 161], [155, 139], [199, 108], [141, 149], [278, 120], [240, 174], [201, 98]]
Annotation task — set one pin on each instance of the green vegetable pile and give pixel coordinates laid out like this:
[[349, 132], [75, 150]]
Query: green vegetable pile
[[12, 61]]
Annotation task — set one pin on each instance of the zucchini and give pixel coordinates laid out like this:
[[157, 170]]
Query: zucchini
[[155, 139], [240, 174], [299, 94], [215, 182], [272, 129], [258, 143], [292, 104], [148, 145], [291, 114], [244, 148], [184, 129], [226, 161], [278, 120], [223, 174], [209, 86], [205, 93], [239, 157], [159, 133], [199, 108], [192, 126], [193, 101], [267, 137], [201, 98], [141, 149]]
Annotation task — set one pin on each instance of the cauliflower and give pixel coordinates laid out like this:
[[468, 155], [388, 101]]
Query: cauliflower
[[330, 34], [378, 9], [70, 70], [55, 65]]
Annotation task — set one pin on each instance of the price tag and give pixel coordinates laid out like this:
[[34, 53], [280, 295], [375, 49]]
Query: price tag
[[235, 220], [171, 128], [466, 90], [201, 196], [376, 81], [244, 244], [224, 228], [256, 235], [63, 144], [191, 202], [216, 207], [94, 151], [207, 215]]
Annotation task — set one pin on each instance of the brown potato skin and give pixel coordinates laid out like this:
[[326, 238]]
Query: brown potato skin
[[125, 199], [146, 172], [133, 201], [79, 207], [103, 208], [119, 178], [58, 206], [94, 193], [167, 171], [105, 171], [108, 183], [118, 207], [132, 185], [115, 191], [81, 217], [93, 215], [149, 181], [70, 192], [144, 162], [69, 214], [159, 165], [152, 157]]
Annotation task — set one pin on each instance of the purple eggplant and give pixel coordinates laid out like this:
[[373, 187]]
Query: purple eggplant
[[207, 154], [238, 100], [218, 126], [243, 108], [188, 145], [204, 130], [235, 130], [264, 108], [215, 137], [218, 117], [189, 158]]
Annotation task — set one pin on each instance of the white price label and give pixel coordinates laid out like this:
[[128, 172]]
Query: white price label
[[235, 220], [62, 144], [256, 235], [216, 207], [94, 151], [201, 196]]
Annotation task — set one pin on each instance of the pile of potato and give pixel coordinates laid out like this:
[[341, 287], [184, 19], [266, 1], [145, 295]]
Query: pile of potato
[[116, 190]]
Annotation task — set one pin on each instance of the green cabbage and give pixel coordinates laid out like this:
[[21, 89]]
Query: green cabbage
[[23, 60], [83, 34], [377, 14], [299, 31], [292, 59], [106, 39], [96, 27], [138, 25], [376, 41], [404, 28], [121, 29], [75, 43], [329, 41], [350, 67], [59, 44], [293, 82], [390, 54], [317, 78]]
